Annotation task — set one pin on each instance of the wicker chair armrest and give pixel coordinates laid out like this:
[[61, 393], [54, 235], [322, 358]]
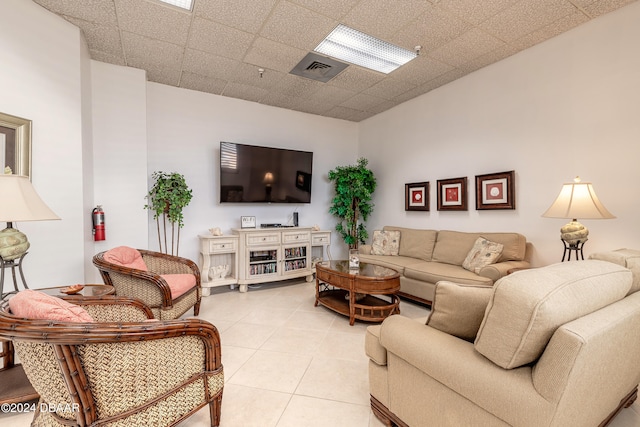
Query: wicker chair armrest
[[111, 308]]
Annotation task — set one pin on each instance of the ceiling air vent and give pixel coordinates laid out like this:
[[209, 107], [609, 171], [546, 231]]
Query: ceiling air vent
[[317, 67]]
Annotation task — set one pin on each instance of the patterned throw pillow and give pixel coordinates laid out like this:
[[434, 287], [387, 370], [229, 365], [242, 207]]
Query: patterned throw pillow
[[483, 253], [385, 243]]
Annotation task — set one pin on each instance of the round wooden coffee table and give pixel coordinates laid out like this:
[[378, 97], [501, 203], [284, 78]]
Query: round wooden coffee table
[[360, 293]]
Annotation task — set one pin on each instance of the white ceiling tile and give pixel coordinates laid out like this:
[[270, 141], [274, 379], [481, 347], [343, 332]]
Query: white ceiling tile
[[597, 8], [474, 11], [389, 88], [209, 65], [383, 18], [244, 91], [526, 17], [420, 70], [343, 113], [431, 29], [248, 74], [107, 58], [97, 11], [296, 26], [276, 56], [152, 55], [356, 78], [154, 20], [555, 28], [465, 48], [332, 95], [202, 83], [335, 9], [101, 38], [218, 39], [246, 15], [362, 102], [296, 86]]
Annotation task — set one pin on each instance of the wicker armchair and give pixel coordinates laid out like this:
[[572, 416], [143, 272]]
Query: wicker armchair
[[120, 370], [149, 287]]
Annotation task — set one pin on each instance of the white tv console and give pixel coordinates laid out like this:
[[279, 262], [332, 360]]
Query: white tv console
[[260, 255]]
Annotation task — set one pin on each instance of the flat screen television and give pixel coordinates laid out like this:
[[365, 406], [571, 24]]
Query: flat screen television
[[255, 174]]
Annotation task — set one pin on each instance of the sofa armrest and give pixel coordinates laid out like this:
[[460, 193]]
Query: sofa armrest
[[454, 363], [372, 347], [499, 270], [364, 249]]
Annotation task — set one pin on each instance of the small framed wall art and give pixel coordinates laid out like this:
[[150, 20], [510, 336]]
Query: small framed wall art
[[496, 191], [247, 222], [452, 194], [416, 196]]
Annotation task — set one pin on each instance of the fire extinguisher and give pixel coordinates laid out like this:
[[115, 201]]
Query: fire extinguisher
[[98, 223]]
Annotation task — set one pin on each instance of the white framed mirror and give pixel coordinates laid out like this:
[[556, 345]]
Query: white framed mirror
[[15, 144]]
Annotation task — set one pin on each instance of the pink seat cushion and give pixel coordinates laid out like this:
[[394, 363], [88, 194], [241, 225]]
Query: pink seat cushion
[[32, 304], [126, 257], [179, 283]]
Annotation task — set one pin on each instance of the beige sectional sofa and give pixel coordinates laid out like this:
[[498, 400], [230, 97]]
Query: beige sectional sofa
[[556, 346], [428, 256]]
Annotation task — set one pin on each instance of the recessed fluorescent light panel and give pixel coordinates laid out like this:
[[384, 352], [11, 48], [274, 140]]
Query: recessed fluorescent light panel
[[362, 49], [184, 4]]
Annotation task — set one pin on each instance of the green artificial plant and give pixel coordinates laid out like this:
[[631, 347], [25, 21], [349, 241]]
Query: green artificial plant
[[166, 199], [352, 205]]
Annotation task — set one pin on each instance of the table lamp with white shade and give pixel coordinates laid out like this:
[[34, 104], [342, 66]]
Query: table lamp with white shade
[[19, 201], [577, 199]]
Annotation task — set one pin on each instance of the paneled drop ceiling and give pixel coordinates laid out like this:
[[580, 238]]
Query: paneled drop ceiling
[[220, 46]]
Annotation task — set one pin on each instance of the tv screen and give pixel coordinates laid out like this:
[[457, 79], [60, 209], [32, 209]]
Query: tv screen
[[255, 174]]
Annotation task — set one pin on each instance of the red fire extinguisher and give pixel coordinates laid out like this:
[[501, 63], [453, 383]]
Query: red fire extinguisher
[[98, 223]]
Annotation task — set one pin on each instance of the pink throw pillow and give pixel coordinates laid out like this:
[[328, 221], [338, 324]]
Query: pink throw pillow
[[179, 283], [126, 257], [32, 304]]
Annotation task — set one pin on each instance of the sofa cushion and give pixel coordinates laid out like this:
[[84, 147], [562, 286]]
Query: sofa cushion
[[458, 309], [398, 263], [415, 243], [125, 257], [32, 304], [629, 258], [528, 306], [385, 243], [372, 346], [483, 253], [452, 247], [179, 283], [433, 272]]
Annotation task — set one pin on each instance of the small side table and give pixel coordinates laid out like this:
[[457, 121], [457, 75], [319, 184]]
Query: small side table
[[90, 290]]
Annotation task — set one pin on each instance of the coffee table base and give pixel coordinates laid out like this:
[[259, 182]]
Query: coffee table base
[[370, 308]]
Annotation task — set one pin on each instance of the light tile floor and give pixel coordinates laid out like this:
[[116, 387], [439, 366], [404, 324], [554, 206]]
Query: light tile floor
[[290, 364]]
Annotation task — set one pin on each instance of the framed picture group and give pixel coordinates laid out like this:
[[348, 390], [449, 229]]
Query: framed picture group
[[493, 191]]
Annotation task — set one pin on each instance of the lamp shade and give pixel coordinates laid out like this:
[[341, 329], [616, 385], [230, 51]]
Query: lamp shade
[[20, 202], [578, 200]]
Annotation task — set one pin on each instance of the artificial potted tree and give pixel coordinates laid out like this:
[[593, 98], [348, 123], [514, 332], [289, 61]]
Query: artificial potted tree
[[166, 199], [352, 204]]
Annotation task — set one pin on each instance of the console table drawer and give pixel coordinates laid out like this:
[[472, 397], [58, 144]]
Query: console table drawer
[[320, 239], [263, 239], [295, 237], [218, 246]]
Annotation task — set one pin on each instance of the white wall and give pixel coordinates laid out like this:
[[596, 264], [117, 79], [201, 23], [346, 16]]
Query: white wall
[[566, 107], [184, 133], [119, 156], [41, 79]]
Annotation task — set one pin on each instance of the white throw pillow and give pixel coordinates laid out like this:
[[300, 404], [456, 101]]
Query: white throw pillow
[[483, 253], [385, 243]]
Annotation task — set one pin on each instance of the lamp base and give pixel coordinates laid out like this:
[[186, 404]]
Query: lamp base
[[574, 233], [573, 247], [13, 243]]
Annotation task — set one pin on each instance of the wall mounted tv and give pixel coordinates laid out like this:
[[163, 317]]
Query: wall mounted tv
[[255, 174]]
